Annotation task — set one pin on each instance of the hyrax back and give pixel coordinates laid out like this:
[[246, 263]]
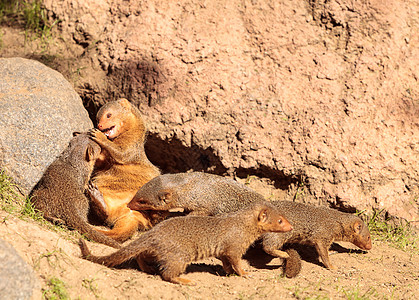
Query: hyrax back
[[196, 192], [176, 242], [59, 194], [209, 194], [122, 168], [317, 226]]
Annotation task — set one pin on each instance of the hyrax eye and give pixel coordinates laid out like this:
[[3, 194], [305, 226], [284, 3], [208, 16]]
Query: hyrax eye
[[280, 221], [108, 115]]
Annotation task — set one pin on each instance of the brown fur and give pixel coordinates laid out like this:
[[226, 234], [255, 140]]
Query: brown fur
[[292, 265], [317, 226], [208, 194], [177, 242], [122, 168], [59, 194], [196, 192]]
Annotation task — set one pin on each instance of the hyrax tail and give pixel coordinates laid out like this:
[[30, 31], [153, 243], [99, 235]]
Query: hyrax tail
[[292, 265], [115, 258], [85, 228]]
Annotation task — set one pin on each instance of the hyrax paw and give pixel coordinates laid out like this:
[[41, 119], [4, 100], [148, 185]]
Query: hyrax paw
[[93, 190], [96, 135], [247, 275], [332, 268], [94, 132]]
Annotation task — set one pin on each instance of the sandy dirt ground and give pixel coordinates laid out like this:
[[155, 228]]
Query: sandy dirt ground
[[382, 273]]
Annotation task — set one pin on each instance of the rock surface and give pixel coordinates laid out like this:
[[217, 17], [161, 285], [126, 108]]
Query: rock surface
[[39, 111], [318, 98], [17, 279]]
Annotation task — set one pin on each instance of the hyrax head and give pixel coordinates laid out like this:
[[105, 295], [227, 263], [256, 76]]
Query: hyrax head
[[114, 118], [360, 234], [154, 195], [82, 149], [271, 220]]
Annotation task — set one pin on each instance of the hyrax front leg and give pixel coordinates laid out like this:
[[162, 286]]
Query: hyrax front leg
[[226, 265], [236, 264], [117, 154]]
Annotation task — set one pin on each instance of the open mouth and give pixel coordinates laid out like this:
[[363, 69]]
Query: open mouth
[[109, 132]]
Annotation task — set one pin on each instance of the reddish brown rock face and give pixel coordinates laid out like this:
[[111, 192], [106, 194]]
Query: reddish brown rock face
[[323, 92]]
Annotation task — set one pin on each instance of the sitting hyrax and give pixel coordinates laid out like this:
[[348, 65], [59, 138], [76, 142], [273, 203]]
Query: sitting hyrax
[[198, 193], [59, 194], [122, 168], [174, 243], [317, 226]]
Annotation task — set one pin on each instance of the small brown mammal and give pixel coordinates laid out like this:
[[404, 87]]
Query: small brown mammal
[[208, 194], [196, 192], [174, 243], [122, 168], [317, 226], [59, 194]]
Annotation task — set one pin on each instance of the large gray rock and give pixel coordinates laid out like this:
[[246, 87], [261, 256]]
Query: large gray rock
[[39, 110], [17, 279]]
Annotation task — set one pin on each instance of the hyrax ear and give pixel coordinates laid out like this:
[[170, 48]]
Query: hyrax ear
[[357, 227], [75, 133], [263, 216], [125, 103], [165, 196], [90, 153]]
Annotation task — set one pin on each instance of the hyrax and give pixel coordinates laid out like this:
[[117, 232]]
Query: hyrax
[[317, 226], [122, 168], [174, 243], [59, 194], [198, 193]]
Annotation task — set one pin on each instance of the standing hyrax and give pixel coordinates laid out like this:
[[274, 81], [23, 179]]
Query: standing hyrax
[[207, 194], [59, 194], [317, 226], [196, 192], [122, 168], [174, 243]]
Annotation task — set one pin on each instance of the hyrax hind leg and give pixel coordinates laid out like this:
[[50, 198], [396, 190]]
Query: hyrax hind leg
[[171, 271], [126, 224], [97, 200], [323, 252]]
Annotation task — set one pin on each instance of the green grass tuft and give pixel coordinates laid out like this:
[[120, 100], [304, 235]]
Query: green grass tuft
[[29, 14], [56, 290], [10, 199], [399, 234], [13, 202]]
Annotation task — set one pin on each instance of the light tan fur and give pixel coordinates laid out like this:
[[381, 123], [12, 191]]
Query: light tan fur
[[122, 168]]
